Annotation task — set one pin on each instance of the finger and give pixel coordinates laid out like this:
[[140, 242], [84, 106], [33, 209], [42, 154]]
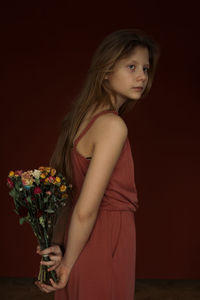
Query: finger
[[38, 249], [47, 263], [53, 267], [56, 285], [55, 257], [44, 287], [61, 283], [52, 249], [47, 288], [39, 286], [45, 251]]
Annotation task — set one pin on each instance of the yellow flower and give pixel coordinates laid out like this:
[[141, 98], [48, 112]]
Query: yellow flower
[[46, 180], [64, 196], [11, 173], [63, 188], [58, 179], [53, 172], [48, 169], [43, 175]]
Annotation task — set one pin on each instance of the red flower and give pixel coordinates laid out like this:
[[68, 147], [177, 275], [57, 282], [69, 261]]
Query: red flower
[[37, 190], [23, 211], [39, 213], [10, 183], [18, 172]]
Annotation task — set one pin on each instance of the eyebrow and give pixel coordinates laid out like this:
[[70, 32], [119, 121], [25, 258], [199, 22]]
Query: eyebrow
[[132, 60]]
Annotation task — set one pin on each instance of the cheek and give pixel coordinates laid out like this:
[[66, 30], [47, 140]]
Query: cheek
[[119, 77]]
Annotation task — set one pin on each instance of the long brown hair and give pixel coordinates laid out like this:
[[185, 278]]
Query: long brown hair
[[95, 91]]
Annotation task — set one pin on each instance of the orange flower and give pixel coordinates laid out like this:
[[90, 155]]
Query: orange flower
[[41, 168]]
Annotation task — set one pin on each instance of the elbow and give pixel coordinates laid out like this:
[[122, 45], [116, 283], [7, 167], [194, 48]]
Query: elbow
[[85, 215]]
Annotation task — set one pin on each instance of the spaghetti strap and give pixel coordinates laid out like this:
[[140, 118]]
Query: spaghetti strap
[[90, 123]]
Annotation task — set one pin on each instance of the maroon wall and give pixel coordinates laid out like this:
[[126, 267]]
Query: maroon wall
[[46, 52]]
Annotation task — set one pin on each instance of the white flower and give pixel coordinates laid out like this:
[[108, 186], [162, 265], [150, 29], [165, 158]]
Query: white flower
[[36, 173]]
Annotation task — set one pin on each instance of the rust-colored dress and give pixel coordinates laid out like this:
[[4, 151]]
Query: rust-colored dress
[[105, 268]]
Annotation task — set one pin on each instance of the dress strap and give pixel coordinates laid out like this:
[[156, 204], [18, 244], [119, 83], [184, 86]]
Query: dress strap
[[91, 122]]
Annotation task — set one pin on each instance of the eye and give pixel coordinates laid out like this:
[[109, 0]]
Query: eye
[[146, 69], [130, 66]]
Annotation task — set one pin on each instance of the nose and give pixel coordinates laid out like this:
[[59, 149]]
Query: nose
[[141, 75]]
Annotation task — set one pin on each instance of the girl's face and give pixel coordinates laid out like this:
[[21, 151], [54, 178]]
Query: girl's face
[[129, 73]]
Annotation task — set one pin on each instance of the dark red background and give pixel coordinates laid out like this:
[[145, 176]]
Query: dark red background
[[46, 51]]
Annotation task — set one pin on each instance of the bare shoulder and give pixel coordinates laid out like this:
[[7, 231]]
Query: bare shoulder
[[109, 126], [109, 137]]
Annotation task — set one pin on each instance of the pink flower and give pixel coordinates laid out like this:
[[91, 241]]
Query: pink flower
[[37, 190], [48, 193], [10, 183], [51, 179]]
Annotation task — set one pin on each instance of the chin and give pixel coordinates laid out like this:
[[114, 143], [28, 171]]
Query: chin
[[137, 97]]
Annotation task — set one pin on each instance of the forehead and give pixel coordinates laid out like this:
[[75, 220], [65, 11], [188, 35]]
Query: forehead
[[139, 54]]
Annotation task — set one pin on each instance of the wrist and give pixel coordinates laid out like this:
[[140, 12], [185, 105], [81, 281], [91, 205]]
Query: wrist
[[66, 264]]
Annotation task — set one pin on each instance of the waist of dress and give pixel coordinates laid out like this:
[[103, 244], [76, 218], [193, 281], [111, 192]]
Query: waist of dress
[[122, 207], [116, 209]]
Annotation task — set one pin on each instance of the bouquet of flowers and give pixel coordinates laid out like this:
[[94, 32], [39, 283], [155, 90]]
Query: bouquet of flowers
[[38, 195]]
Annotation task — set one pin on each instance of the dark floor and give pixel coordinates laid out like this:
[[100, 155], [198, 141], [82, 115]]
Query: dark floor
[[154, 289]]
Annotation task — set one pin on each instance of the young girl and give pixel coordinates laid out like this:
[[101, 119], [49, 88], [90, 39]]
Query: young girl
[[94, 245]]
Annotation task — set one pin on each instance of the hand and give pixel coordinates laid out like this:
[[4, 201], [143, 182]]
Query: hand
[[55, 254], [63, 275]]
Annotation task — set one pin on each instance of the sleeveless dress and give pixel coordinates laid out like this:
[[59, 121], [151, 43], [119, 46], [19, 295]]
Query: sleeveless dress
[[105, 268]]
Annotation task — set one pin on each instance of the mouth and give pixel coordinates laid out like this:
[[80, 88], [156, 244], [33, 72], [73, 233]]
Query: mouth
[[138, 88]]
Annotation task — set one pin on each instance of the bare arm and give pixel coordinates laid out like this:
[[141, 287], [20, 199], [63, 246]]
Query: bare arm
[[108, 144]]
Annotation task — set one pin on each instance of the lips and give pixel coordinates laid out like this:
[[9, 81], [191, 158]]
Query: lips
[[139, 88]]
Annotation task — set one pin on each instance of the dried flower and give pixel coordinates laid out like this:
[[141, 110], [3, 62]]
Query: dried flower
[[58, 179], [48, 193], [18, 172], [38, 195], [51, 179], [42, 175], [11, 173], [27, 178], [53, 172], [10, 183], [63, 188], [37, 190], [41, 168], [36, 174]]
